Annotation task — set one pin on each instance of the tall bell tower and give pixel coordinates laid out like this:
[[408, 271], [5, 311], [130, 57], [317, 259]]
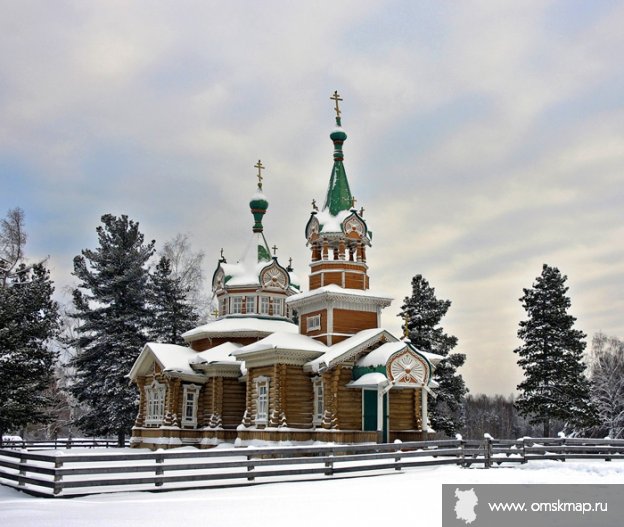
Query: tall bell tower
[[338, 304]]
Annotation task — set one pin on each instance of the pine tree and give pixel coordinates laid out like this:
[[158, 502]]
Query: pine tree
[[28, 321], [554, 386], [111, 303], [172, 315], [423, 313]]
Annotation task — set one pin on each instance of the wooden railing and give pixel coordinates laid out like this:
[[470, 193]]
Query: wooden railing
[[66, 474], [47, 444]]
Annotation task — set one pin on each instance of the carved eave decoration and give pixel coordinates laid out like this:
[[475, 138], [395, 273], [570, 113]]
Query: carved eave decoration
[[218, 278], [274, 277], [220, 369], [273, 356], [313, 228]]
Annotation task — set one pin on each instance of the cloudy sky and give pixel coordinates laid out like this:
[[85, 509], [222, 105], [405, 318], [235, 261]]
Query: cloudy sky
[[485, 139]]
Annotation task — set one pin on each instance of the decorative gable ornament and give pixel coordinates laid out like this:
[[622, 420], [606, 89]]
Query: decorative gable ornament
[[353, 226], [218, 279], [405, 367], [274, 276]]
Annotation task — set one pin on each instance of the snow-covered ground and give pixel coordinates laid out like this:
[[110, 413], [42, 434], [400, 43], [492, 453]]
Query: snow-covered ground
[[414, 495]]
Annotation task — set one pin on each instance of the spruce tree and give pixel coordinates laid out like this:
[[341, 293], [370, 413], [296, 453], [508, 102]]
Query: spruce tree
[[28, 321], [172, 315], [111, 304], [423, 313], [554, 386]]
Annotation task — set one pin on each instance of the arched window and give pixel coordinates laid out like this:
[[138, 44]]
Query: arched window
[[155, 395]]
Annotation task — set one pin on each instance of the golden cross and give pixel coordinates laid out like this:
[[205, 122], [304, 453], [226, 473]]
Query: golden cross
[[405, 326], [335, 97], [353, 200], [260, 168], [222, 253], [314, 207], [362, 212], [274, 250], [289, 262]]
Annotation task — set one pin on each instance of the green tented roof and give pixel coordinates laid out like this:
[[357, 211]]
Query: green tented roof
[[339, 196]]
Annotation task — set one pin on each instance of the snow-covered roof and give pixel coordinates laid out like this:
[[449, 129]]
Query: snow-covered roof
[[283, 341], [219, 354], [334, 290], [170, 358], [360, 340], [241, 327], [373, 379], [381, 355]]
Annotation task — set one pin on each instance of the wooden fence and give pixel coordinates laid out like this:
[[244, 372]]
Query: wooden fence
[[70, 442], [71, 474]]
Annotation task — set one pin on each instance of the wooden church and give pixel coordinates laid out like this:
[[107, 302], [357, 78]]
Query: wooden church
[[254, 374]]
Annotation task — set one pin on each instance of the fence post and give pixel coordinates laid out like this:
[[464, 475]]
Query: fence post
[[462, 454], [250, 468], [329, 465], [23, 469], [397, 458], [58, 478], [488, 452], [564, 451], [160, 459]]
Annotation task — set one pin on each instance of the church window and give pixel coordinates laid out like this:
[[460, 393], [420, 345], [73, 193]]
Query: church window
[[264, 305], [262, 400], [237, 304], [276, 305], [313, 323], [155, 393], [319, 403], [250, 304], [189, 411]]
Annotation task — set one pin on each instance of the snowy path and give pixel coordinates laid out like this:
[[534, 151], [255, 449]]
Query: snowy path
[[363, 501]]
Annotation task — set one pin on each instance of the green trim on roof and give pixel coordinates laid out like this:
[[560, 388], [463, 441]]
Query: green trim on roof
[[339, 196], [264, 253]]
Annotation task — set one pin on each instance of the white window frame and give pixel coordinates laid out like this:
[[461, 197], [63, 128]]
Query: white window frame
[[190, 395], [313, 323], [279, 304], [236, 305], [264, 305], [319, 400], [250, 304], [262, 400], [155, 394]]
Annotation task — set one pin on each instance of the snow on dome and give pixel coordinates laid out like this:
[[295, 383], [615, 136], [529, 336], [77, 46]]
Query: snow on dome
[[259, 196], [331, 223], [240, 326]]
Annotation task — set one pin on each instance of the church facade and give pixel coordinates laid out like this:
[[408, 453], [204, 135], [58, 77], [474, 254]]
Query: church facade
[[254, 373]]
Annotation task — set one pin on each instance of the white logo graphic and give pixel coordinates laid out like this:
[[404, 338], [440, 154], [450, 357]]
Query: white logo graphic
[[465, 505]]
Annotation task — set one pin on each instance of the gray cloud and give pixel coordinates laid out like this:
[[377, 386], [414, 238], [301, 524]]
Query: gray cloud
[[483, 140]]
